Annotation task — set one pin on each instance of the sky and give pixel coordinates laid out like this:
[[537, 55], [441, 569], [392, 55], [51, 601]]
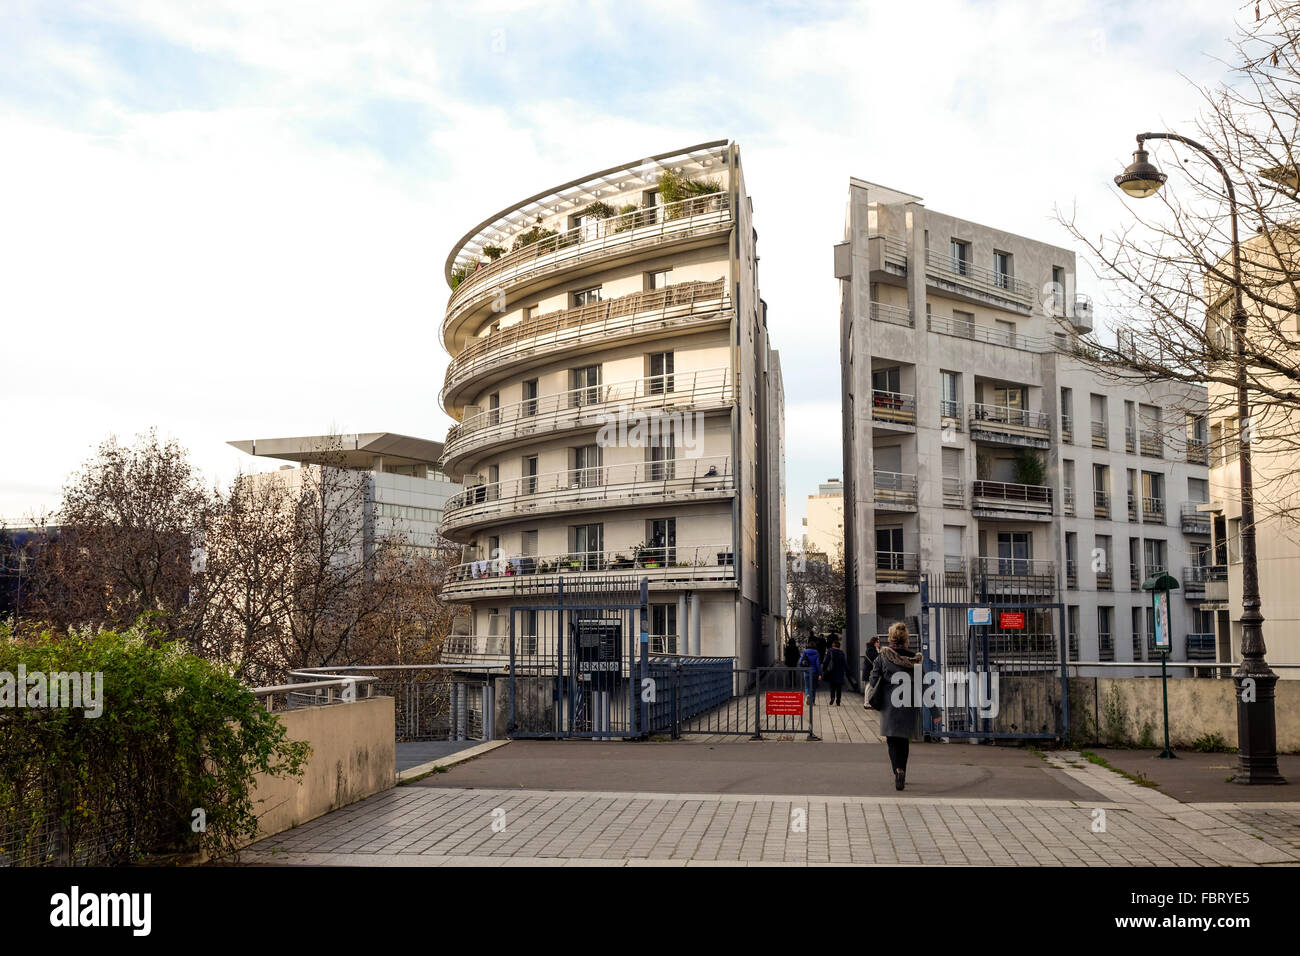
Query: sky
[[228, 220]]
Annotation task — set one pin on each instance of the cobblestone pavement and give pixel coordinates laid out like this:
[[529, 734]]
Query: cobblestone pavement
[[1132, 826]]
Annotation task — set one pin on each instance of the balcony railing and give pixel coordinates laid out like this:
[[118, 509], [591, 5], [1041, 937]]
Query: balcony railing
[[1101, 504], [1006, 496], [1227, 450], [1017, 426], [706, 388], [1099, 439], [1200, 574], [894, 490], [1067, 500], [593, 240], [1130, 438], [898, 567], [1013, 575], [1106, 576], [893, 314], [1132, 507], [960, 328], [1153, 510], [1072, 575], [1201, 647], [600, 321], [1192, 520], [1067, 428], [662, 565], [1198, 452], [896, 408], [1152, 444], [960, 273], [954, 492], [1105, 646], [1134, 577], [950, 413], [640, 482]]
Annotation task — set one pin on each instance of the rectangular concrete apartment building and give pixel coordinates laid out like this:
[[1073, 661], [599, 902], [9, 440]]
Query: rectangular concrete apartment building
[[955, 345], [618, 409]]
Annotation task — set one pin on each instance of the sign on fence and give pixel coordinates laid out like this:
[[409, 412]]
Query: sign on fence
[[1011, 621], [979, 616], [783, 703]]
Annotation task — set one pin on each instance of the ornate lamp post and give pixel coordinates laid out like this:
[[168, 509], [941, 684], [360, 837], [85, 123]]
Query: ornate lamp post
[[1254, 679]]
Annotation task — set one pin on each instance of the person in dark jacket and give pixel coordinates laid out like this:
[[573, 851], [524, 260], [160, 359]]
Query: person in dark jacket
[[900, 718], [869, 655], [812, 661], [835, 670], [791, 653]]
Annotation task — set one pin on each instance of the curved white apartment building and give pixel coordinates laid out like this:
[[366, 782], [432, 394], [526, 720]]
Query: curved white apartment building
[[618, 408]]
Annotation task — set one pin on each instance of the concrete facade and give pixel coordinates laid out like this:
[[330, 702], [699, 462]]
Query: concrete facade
[[955, 345], [823, 527], [618, 407]]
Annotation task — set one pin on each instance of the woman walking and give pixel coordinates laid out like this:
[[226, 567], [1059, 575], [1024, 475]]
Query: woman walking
[[868, 662], [835, 670], [811, 661], [899, 722]]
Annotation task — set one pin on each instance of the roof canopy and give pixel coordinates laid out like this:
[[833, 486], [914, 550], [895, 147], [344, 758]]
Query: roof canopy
[[358, 451]]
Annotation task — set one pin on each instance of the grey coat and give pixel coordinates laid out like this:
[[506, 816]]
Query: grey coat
[[897, 721]]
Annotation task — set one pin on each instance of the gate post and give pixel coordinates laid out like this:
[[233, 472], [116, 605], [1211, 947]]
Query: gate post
[[758, 722], [643, 662]]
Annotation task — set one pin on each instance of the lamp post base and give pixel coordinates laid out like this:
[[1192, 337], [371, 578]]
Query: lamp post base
[[1256, 726]]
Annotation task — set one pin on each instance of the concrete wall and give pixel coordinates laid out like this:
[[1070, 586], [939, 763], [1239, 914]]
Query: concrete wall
[[353, 756], [1115, 711]]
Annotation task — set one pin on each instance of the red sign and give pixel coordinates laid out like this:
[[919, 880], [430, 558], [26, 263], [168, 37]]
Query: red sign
[[1011, 621], [784, 703]]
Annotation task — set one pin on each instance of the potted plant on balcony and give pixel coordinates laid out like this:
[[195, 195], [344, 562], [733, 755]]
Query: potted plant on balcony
[[1029, 468], [674, 188], [494, 252], [626, 220], [532, 235], [598, 210], [620, 561], [572, 562]]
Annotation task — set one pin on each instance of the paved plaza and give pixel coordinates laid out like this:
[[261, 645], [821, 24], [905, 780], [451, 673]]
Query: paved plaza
[[732, 801]]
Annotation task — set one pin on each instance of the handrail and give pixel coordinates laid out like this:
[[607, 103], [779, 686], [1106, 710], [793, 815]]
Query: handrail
[[590, 240], [1012, 491], [689, 388], [1009, 415], [987, 281], [896, 486], [663, 558], [1013, 567], [599, 320], [894, 314], [960, 328]]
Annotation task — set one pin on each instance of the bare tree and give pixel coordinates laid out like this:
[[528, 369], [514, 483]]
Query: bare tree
[[815, 593], [1171, 264]]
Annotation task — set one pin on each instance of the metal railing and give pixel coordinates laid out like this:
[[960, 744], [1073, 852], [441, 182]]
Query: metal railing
[[1099, 438], [640, 481], [314, 691], [1072, 574], [1132, 507], [1192, 520], [893, 314], [950, 412], [603, 321], [705, 388], [954, 492], [961, 272], [1151, 444], [1201, 647], [894, 489], [1101, 504], [961, 329], [1008, 420], [991, 576], [1198, 452], [1153, 510], [896, 407], [1130, 438], [665, 564], [1106, 576], [1009, 495], [898, 567], [1067, 500], [1067, 428], [1134, 577], [895, 251], [593, 240], [1202, 573]]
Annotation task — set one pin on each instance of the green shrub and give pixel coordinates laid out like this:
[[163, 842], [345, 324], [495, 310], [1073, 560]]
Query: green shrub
[[1212, 743], [1029, 468], [176, 734]]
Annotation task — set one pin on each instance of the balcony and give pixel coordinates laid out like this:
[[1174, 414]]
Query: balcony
[[1132, 508], [1201, 647], [632, 484], [1009, 577], [1101, 504], [1004, 338], [1067, 501], [893, 314], [1198, 452], [954, 492], [1216, 583], [1005, 499], [589, 407], [1197, 578], [960, 277], [1082, 318], [897, 571], [950, 414], [588, 328], [1099, 438], [893, 408], [1151, 443], [1153, 510], [631, 232], [700, 566], [1067, 428], [894, 491], [1009, 426], [1191, 520]]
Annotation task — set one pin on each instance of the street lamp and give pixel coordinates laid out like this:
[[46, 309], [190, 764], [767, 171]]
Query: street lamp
[[1254, 680]]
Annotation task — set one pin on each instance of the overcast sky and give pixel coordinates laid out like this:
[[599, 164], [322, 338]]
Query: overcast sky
[[228, 220]]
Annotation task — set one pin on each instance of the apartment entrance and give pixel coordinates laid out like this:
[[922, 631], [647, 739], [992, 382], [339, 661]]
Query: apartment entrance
[[996, 655]]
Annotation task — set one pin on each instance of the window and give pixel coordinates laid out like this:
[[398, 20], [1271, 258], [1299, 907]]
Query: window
[[661, 541], [1058, 290], [1002, 269], [950, 395], [659, 280], [1015, 549], [1008, 330], [889, 549], [529, 472], [1100, 426], [963, 323], [1105, 638], [1234, 540], [1101, 489], [1137, 633], [1153, 497], [586, 297], [529, 407], [1067, 414], [887, 379], [663, 628], [1154, 552], [1072, 560], [494, 408], [586, 470], [530, 312], [587, 546], [1105, 572], [1072, 626], [585, 386], [960, 252], [1009, 396], [660, 367], [660, 455]]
